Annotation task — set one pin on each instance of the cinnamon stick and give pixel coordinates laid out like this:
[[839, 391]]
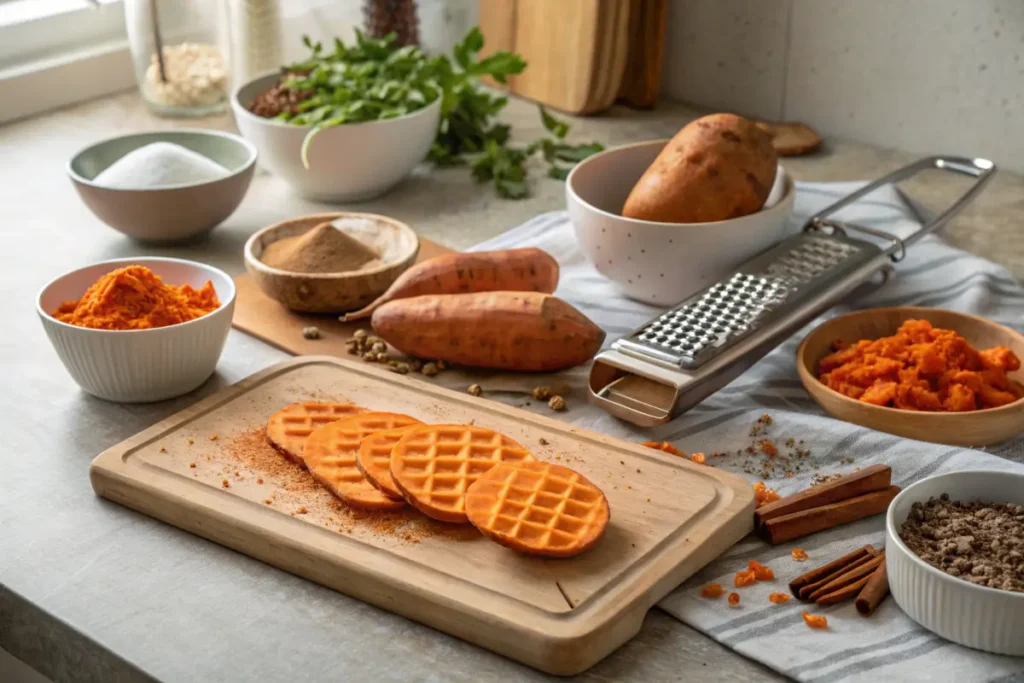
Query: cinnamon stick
[[805, 592], [799, 524], [851, 576], [842, 594], [874, 592], [820, 573], [874, 478]]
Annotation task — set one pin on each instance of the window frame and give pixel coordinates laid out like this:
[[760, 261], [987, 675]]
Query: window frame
[[54, 53]]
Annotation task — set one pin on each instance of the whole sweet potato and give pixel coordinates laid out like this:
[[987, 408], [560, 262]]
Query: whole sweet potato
[[505, 270], [522, 331], [717, 167]]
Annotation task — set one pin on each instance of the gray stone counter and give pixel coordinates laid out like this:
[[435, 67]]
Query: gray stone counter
[[91, 591]]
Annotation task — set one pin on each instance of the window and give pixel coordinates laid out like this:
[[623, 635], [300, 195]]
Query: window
[[56, 52]]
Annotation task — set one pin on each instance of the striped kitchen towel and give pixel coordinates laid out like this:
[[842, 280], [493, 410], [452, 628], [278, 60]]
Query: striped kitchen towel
[[888, 646]]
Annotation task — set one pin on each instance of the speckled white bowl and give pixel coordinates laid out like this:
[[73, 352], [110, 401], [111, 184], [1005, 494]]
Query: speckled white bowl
[[140, 366], [660, 263], [976, 616]]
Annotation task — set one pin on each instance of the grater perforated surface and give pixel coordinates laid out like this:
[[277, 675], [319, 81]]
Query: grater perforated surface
[[717, 318]]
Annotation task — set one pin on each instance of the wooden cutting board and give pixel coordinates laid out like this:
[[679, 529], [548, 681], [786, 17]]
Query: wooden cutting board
[[577, 76], [641, 81], [209, 471], [264, 318]]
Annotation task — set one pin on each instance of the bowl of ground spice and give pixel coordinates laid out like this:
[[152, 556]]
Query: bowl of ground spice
[[330, 263], [955, 557], [141, 329]]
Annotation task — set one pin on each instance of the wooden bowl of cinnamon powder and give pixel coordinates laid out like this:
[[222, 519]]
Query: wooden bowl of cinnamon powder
[[330, 263]]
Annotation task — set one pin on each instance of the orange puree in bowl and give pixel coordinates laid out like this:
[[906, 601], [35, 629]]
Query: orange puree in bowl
[[921, 368], [134, 298]]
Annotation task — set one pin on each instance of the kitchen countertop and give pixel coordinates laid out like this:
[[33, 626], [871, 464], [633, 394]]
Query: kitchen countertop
[[91, 591]]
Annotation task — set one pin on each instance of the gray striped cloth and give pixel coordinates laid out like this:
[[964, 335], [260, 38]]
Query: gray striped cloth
[[888, 646]]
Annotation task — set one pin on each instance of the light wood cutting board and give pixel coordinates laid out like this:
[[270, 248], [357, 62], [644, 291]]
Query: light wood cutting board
[[669, 517], [577, 75]]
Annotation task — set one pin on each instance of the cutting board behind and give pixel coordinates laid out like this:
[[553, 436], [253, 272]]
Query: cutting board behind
[[641, 81], [264, 318], [669, 517], [576, 50]]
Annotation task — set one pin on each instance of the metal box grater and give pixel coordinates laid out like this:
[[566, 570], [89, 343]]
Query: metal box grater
[[676, 360]]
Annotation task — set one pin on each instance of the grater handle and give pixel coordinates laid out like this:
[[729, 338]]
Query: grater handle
[[980, 169]]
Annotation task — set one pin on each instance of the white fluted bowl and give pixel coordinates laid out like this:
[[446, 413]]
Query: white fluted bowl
[[976, 616], [139, 366]]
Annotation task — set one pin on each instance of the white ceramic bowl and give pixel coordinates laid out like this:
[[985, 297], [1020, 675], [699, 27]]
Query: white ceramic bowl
[[976, 616], [659, 263], [350, 162], [139, 366], [167, 214]]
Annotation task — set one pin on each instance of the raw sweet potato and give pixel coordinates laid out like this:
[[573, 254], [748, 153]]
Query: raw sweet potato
[[507, 270], [522, 331], [717, 167]]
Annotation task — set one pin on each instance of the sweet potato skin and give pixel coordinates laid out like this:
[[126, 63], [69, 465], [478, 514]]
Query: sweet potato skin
[[519, 331], [506, 270], [718, 167]]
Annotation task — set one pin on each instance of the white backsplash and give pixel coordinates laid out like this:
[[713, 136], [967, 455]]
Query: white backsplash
[[919, 75]]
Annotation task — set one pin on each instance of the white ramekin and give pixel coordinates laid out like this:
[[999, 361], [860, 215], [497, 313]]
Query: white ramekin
[[661, 263], [139, 366], [976, 616]]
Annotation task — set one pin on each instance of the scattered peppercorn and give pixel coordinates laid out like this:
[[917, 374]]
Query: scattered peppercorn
[[429, 369], [541, 393], [475, 389], [311, 332], [556, 403]]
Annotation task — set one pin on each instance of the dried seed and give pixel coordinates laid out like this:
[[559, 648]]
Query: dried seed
[[379, 347], [382, 356], [415, 364], [556, 403], [541, 393], [373, 339], [359, 334], [475, 389], [429, 369], [400, 368], [311, 332], [370, 357]]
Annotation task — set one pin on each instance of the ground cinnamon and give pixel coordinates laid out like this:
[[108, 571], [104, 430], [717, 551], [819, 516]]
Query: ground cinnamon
[[324, 249], [799, 524], [874, 592]]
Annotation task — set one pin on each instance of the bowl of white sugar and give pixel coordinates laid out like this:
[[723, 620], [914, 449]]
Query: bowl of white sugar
[[164, 186]]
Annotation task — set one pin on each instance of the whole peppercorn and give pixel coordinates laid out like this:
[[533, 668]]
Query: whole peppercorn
[[556, 403]]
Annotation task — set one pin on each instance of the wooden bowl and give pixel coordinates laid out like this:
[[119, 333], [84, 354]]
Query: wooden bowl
[[977, 428], [331, 292]]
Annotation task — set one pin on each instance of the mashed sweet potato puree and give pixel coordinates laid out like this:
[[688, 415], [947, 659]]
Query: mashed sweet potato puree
[[921, 368]]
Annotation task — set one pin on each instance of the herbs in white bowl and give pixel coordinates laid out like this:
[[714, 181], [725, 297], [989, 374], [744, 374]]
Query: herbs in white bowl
[[376, 79]]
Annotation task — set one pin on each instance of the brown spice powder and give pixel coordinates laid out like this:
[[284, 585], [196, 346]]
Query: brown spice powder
[[313, 500]]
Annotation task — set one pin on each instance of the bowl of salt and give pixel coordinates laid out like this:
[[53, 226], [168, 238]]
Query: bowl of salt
[[164, 186]]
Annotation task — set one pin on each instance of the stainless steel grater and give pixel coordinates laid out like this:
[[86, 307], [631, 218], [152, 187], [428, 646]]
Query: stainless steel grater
[[678, 359]]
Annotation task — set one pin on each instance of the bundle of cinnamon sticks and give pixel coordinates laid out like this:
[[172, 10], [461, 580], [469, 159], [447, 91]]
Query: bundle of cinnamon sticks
[[864, 493], [860, 574]]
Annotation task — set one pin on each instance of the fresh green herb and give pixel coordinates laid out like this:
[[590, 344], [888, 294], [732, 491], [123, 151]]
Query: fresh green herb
[[377, 79]]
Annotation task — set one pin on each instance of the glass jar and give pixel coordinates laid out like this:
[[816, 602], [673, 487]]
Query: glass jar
[[179, 52]]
